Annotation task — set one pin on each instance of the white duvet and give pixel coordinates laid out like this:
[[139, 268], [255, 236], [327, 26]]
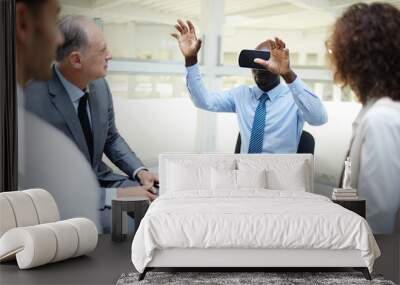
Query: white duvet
[[252, 218]]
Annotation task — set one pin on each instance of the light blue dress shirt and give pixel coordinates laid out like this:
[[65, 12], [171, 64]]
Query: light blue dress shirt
[[288, 108]]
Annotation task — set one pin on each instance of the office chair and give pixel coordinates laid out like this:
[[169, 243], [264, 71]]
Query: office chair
[[306, 143]]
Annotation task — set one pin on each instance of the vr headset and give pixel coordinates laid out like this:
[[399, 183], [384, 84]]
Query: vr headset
[[246, 58]]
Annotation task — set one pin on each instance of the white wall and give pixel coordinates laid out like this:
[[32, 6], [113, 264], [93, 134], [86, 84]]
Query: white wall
[[156, 125]]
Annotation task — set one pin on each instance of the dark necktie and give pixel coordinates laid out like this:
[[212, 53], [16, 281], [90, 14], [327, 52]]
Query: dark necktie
[[257, 130], [85, 123]]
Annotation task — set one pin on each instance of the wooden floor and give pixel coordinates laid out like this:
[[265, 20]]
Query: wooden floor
[[389, 262], [110, 259]]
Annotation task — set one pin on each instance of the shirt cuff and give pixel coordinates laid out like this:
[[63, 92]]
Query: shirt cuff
[[137, 171], [111, 194], [193, 68]]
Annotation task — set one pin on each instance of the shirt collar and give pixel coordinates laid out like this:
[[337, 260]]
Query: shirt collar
[[272, 94], [73, 91]]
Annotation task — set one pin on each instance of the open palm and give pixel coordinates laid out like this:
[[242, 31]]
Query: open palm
[[187, 39], [278, 62]]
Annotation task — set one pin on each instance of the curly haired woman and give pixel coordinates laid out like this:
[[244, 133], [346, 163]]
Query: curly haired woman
[[365, 53]]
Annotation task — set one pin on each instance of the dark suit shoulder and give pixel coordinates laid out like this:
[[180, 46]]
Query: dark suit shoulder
[[36, 95], [102, 89], [100, 83], [36, 88]]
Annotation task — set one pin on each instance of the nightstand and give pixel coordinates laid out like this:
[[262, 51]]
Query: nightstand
[[137, 205], [357, 206]]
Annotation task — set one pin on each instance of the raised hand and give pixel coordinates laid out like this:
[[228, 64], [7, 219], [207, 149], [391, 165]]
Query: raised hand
[[278, 62], [188, 42]]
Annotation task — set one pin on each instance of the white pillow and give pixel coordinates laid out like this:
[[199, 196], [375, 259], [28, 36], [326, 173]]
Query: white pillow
[[292, 179], [284, 172], [193, 173], [227, 179], [251, 179], [223, 179], [184, 177]]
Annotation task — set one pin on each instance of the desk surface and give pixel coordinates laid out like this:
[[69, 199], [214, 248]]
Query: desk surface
[[102, 266]]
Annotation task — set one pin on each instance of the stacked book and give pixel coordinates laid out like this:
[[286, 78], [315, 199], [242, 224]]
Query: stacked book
[[344, 194]]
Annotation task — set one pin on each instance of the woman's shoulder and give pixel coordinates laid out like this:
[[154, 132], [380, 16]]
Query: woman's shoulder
[[387, 103], [383, 116], [384, 109]]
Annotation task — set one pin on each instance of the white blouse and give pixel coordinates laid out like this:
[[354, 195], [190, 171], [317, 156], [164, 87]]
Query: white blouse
[[375, 156]]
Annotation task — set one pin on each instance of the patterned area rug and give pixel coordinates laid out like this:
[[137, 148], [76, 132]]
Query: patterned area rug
[[230, 278]]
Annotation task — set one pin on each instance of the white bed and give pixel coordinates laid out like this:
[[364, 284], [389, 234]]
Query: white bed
[[218, 210]]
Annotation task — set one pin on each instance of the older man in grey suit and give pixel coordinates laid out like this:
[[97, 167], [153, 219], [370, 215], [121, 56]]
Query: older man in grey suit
[[78, 102]]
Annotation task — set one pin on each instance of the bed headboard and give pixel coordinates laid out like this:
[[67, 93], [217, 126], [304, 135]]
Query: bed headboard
[[279, 162]]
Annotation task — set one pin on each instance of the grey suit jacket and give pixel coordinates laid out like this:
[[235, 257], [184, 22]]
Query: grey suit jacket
[[49, 100]]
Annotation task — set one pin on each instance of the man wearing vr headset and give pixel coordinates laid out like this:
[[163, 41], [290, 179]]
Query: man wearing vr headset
[[271, 115]]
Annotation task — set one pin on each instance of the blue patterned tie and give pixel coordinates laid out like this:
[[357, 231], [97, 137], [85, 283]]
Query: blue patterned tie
[[257, 131]]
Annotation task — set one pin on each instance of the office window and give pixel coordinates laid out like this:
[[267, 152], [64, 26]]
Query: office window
[[329, 92], [294, 58], [230, 58], [311, 59], [139, 41], [347, 95], [304, 28], [141, 86], [326, 90], [323, 89], [229, 82], [138, 30]]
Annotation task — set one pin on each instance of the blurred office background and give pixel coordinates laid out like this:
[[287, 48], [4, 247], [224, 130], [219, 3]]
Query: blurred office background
[[147, 74]]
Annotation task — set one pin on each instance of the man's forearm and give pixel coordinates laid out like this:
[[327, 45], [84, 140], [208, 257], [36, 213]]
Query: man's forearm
[[312, 109], [119, 153], [290, 76], [214, 101]]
